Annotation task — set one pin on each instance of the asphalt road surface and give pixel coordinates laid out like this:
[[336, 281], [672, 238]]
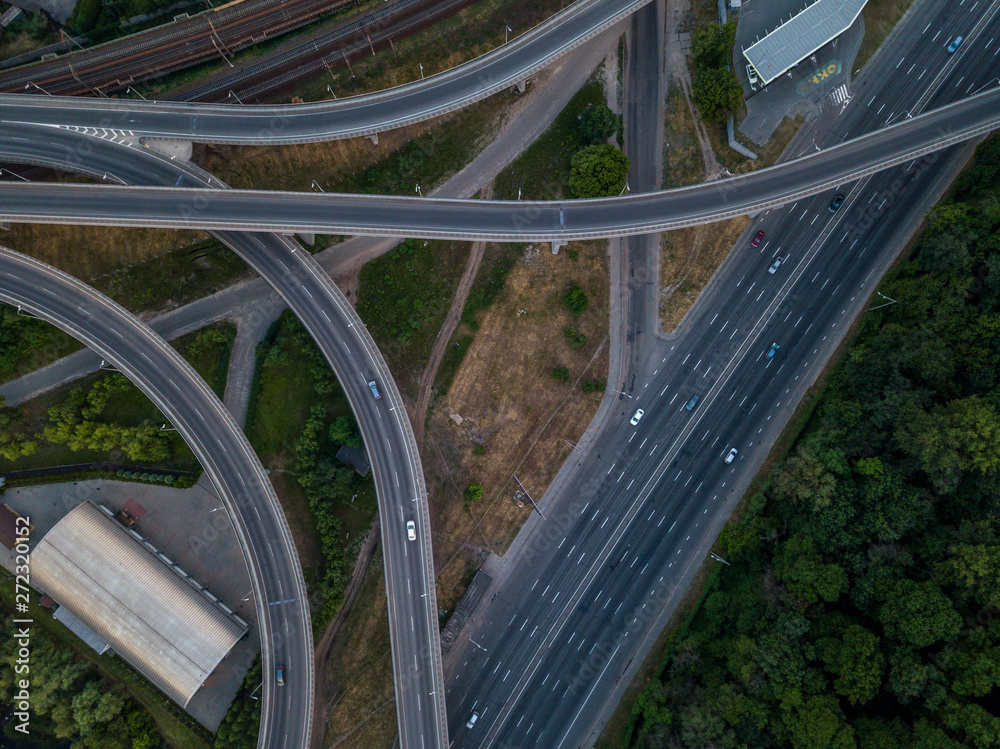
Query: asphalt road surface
[[249, 210], [223, 451], [585, 598], [388, 435], [342, 118]]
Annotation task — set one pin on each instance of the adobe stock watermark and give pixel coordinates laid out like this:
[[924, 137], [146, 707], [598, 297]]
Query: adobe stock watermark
[[22, 626]]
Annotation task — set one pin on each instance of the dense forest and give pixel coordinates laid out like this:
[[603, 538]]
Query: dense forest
[[69, 701], [861, 605]]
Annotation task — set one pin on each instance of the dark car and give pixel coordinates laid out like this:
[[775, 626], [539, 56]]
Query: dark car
[[692, 403], [374, 388], [279, 675], [955, 44], [756, 240], [837, 201]]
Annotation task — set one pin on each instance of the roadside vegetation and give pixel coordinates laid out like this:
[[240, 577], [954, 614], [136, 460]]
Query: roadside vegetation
[[716, 90], [545, 170], [105, 418], [857, 608], [403, 298], [26, 32], [241, 726], [297, 421]]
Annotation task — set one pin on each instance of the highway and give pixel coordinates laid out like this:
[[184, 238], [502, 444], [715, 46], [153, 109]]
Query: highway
[[388, 436], [284, 212], [224, 453], [593, 584], [343, 118]]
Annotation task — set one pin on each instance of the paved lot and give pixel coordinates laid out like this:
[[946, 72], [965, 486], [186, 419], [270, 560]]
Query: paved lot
[[186, 525], [801, 89]]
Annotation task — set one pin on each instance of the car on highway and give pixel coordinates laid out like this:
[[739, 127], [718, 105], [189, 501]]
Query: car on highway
[[773, 350], [411, 530], [689, 406], [836, 202], [636, 416], [756, 240], [774, 266], [374, 389], [732, 455], [279, 675], [955, 44], [472, 720], [751, 75]]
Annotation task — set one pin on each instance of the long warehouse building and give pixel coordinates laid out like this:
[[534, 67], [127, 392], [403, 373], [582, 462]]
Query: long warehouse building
[[150, 613]]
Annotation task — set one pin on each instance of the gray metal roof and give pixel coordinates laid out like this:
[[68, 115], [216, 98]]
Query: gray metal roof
[[133, 600], [796, 39]]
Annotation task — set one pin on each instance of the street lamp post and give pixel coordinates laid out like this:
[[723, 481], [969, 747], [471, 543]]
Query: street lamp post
[[32, 83], [507, 30]]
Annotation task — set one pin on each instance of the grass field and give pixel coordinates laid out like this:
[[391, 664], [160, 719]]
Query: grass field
[[128, 408], [404, 296], [283, 397], [542, 171]]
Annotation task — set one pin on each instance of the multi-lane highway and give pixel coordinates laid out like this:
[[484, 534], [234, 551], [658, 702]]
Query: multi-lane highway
[[344, 118], [250, 210], [223, 451], [388, 435], [590, 588]]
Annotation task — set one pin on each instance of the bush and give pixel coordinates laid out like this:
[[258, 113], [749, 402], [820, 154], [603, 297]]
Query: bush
[[576, 300], [478, 450], [599, 123], [591, 386], [717, 93], [598, 171], [560, 373], [473, 493], [576, 340]]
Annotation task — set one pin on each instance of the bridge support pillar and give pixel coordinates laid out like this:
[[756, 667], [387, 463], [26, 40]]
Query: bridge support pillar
[[521, 85], [373, 138], [556, 244]]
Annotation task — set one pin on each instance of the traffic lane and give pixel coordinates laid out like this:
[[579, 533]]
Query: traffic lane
[[167, 381], [438, 217], [360, 115]]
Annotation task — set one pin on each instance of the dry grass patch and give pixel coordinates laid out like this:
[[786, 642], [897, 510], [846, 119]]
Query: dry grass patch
[[682, 163], [515, 415], [690, 259], [359, 688], [880, 17], [89, 252]]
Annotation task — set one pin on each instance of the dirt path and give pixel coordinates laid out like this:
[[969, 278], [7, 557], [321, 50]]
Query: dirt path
[[321, 653], [418, 410]]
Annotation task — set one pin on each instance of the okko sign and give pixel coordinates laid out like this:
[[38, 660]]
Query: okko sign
[[824, 73]]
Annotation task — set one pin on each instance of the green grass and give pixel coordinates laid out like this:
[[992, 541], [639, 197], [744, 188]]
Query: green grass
[[542, 171], [178, 729], [404, 297], [129, 408], [180, 276]]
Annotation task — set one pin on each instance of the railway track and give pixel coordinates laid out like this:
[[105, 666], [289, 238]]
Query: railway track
[[186, 42]]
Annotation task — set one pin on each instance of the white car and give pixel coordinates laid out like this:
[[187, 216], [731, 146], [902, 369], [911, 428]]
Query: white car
[[411, 530], [774, 268], [636, 416], [472, 720], [751, 75], [732, 455]]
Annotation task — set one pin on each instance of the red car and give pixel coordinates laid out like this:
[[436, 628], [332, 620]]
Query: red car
[[756, 240]]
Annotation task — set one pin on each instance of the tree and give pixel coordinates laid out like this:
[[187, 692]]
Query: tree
[[560, 373], [598, 171], [344, 431], [801, 567], [13, 444], [857, 662], [575, 299], [576, 339], [918, 614], [717, 93], [599, 123], [473, 493], [712, 46], [820, 724]]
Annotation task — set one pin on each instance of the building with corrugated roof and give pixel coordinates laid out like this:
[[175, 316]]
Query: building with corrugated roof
[[135, 599], [800, 36]]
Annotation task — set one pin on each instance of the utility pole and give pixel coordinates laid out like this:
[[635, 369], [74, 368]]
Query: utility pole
[[13, 174], [528, 496], [32, 83]]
